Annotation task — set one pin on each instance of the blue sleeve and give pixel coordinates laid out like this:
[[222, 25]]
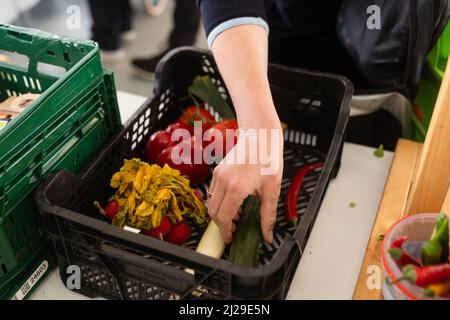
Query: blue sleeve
[[220, 15]]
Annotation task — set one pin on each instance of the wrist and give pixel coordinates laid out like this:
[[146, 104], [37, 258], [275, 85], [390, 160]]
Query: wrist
[[256, 124], [259, 118]]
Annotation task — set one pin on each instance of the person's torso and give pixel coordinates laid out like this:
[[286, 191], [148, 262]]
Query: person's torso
[[287, 17]]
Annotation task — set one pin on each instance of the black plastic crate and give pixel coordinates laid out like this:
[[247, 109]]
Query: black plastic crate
[[122, 265]]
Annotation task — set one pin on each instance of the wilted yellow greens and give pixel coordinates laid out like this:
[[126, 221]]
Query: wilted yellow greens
[[146, 193]]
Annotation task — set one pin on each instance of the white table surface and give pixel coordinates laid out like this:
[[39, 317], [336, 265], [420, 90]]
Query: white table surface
[[330, 265]]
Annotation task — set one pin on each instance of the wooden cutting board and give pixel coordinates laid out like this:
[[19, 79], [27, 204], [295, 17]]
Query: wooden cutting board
[[418, 182], [392, 208]]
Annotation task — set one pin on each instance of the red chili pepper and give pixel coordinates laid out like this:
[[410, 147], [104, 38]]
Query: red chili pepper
[[294, 190], [401, 257], [399, 242], [425, 276], [398, 254]]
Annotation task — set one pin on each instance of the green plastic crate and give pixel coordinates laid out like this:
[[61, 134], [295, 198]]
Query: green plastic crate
[[23, 217], [438, 57], [25, 280], [425, 101], [74, 116], [430, 84]]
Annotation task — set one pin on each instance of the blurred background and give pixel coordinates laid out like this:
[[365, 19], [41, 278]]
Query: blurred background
[[152, 31]]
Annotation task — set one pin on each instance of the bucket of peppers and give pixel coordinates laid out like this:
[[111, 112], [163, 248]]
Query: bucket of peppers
[[415, 258]]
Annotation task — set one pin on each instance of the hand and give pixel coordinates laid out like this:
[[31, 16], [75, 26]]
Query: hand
[[239, 176]]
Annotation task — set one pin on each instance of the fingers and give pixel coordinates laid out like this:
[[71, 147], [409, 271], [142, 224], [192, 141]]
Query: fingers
[[216, 200], [238, 215], [215, 197], [213, 184], [227, 213], [269, 204]]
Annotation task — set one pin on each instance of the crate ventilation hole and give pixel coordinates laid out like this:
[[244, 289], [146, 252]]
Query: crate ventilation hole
[[301, 138]]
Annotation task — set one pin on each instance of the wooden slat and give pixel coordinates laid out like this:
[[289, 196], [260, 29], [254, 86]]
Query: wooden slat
[[392, 208], [433, 172]]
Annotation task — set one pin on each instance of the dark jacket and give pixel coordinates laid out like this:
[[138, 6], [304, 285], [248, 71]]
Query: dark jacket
[[390, 58]]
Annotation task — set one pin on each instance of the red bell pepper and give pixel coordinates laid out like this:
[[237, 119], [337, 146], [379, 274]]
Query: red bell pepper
[[184, 162], [159, 141], [221, 134], [194, 113]]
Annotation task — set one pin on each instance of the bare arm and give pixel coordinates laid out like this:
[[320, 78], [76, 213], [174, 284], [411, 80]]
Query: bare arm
[[241, 54]]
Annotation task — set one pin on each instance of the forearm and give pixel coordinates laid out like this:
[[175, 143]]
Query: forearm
[[241, 54]]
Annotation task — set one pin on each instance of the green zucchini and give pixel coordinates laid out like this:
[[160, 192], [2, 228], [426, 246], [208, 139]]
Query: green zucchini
[[245, 249]]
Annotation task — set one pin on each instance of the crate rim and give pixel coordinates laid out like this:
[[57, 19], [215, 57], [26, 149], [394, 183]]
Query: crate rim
[[28, 112], [159, 73], [187, 253]]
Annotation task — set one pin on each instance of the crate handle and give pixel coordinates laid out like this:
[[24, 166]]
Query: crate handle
[[23, 37], [19, 40], [38, 45], [176, 276], [108, 263]]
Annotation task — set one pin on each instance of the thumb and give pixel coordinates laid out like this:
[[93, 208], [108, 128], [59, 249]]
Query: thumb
[[268, 214]]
